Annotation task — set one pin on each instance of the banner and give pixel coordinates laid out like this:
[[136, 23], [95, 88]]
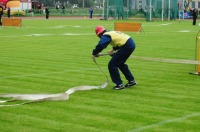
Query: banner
[[187, 15]]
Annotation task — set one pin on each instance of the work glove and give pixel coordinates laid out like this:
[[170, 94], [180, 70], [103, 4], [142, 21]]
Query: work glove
[[97, 55]]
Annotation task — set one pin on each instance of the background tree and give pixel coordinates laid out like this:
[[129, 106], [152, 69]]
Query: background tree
[[186, 4]]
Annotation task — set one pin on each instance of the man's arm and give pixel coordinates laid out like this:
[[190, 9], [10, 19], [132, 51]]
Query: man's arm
[[103, 43]]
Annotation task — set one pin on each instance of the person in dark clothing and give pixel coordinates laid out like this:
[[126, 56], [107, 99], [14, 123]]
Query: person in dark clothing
[[47, 12], [1, 13], [194, 16], [91, 12], [124, 45], [63, 9], [8, 12]]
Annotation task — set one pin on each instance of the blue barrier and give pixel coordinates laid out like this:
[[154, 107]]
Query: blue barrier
[[187, 15]]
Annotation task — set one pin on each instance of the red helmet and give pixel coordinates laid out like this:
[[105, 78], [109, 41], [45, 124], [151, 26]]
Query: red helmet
[[99, 30]]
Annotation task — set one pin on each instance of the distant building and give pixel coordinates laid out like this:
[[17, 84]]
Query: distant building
[[195, 4], [138, 4]]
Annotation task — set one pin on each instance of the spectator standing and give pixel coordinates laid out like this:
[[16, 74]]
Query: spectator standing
[[57, 7], [8, 12], [63, 9], [91, 12], [1, 13], [47, 12], [194, 16]]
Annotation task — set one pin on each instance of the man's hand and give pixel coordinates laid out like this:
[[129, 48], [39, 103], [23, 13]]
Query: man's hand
[[111, 52], [97, 55]]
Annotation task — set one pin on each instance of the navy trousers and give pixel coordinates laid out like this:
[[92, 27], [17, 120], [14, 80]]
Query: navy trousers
[[118, 62]]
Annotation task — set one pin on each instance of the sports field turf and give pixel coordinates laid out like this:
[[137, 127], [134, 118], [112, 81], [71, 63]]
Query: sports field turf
[[52, 56]]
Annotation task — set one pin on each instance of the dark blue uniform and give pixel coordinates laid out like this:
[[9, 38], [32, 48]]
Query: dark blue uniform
[[125, 46]]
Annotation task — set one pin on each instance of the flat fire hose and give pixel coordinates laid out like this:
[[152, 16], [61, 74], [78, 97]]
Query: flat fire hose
[[31, 98]]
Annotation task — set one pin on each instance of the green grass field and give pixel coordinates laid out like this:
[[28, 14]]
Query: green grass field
[[52, 56]]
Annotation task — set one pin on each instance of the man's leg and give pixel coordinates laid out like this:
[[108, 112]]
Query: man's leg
[[113, 70], [127, 73], [117, 61], [126, 51]]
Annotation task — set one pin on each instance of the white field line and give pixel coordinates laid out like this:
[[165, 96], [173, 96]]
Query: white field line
[[177, 61], [151, 25], [165, 24], [77, 26], [139, 129], [60, 26], [179, 31], [184, 31], [78, 34], [48, 73], [41, 35]]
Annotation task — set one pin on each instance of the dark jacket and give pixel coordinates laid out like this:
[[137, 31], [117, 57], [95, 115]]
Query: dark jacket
[[1, 10]]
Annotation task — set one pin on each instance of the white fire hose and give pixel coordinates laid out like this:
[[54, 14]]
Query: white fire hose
[[31, 98]]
